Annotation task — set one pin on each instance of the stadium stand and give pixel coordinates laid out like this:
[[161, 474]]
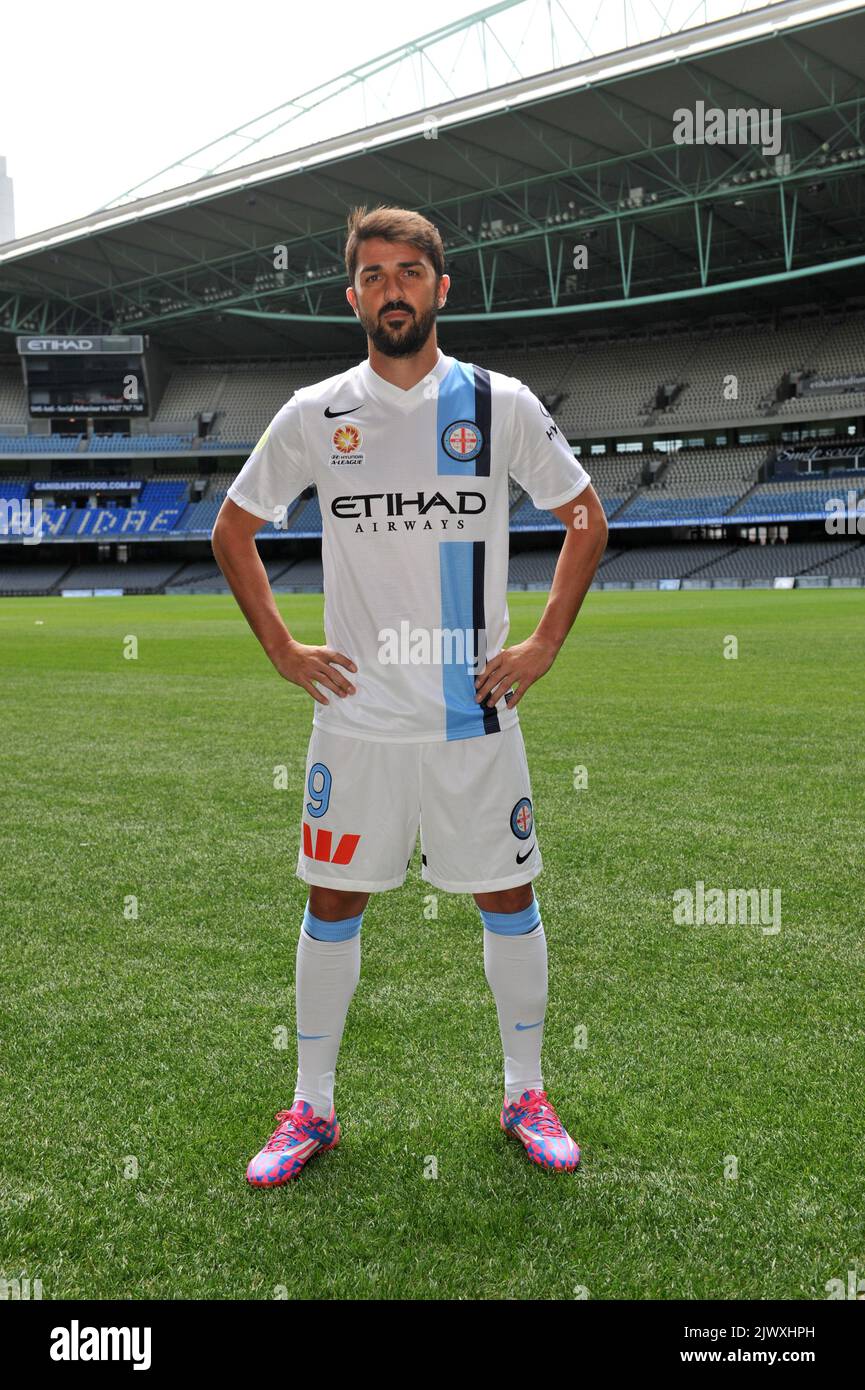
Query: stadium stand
[[164, 493], [306, 518], [532, 568], [190, 390], [31, 579], [199, 517], [303, 575], [218, 484], [773, 561], [790, 499], [526, 516], [40, 444], [609, 385], [660, 562], [648, 507], [243, 397], [15, 489], [139, 577], [515, 493], [846, 561], [702, 472], [243, 414], [13, 398], [140, 443], [205, 577], [841, 349], [195, 572]]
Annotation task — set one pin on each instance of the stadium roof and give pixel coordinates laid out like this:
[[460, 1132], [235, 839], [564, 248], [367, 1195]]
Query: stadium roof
[[516, 178]]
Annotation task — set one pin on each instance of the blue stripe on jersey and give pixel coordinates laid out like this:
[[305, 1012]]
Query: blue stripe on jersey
[[461, 567], [456, 401], [463, 717], [481, 418], [464, 395], [489, 714]]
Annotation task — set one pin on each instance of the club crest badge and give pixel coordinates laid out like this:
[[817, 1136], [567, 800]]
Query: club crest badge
[[522, 818], [462, 440]]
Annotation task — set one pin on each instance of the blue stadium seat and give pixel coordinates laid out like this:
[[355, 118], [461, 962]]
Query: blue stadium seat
[[527, 517], [673, 509]]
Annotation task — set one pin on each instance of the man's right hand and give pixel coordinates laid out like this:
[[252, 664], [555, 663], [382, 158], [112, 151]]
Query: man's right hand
[[302, 665], [235, 552]]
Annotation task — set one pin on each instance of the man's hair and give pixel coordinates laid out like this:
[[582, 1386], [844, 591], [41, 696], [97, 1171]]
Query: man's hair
[[393, 224]]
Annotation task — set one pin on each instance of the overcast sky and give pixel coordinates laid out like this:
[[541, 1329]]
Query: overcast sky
[[99, 95]]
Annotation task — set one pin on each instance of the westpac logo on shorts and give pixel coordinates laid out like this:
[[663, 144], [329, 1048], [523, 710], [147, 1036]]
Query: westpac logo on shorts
[[713, 907], [432, 646], [737, 126], [77, 1343]]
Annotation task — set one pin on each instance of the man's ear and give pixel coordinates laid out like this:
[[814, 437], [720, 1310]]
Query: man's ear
[[351, 297], [444, 286]]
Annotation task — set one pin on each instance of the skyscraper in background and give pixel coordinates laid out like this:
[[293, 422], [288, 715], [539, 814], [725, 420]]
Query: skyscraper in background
[[7, 204]]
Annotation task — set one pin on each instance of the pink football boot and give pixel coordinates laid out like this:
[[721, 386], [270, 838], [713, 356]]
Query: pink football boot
[[300, 1136], [533, 1120]]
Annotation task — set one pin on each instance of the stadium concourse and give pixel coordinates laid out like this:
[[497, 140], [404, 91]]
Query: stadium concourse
[[763, 487], [689, 310]]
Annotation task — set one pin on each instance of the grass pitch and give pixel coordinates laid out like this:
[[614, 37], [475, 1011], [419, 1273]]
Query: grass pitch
[[717, 1099]]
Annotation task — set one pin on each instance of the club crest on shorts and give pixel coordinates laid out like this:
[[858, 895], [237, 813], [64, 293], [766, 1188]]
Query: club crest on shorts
[[462, 439], [522, 818]]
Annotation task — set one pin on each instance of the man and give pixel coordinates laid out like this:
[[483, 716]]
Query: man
[[410, 452]]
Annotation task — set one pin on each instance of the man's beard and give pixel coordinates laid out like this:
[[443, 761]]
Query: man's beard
[[402, 341]]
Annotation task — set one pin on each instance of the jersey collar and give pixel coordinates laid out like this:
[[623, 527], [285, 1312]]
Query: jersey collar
[[388, 394]]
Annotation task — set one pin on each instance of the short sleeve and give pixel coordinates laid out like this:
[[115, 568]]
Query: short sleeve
[[277, 470], [541, 458]]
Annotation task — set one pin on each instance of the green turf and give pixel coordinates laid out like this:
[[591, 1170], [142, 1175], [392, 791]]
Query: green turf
[[154, 1037]]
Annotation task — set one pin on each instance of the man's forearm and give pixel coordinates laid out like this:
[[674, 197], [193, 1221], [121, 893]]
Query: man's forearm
[[579, 559], [247, 578]]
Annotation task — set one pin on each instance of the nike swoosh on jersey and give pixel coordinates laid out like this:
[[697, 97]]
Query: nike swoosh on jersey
[[521, 1027], [332, 414], [521, 858]]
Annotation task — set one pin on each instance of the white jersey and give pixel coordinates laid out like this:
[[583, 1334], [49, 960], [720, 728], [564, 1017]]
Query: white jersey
[[413, 491]]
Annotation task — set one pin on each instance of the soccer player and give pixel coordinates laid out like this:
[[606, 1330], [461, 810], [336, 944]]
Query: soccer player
[[410, 452]]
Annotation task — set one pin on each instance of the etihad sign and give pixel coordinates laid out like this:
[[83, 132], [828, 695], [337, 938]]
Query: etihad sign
[[59, 345], [111, 343]]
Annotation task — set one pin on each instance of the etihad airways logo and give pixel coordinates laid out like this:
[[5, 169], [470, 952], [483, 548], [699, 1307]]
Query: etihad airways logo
[[410, 507]]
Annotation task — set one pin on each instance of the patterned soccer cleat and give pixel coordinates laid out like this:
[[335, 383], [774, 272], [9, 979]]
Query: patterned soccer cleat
[[533, 1120], [300, 1136]]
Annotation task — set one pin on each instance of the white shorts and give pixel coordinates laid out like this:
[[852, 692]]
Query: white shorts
[[364, 801]]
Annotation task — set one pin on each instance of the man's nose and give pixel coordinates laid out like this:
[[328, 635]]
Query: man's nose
[[393, 290]]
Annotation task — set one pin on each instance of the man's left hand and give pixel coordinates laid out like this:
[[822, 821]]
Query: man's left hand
[[523, 665]]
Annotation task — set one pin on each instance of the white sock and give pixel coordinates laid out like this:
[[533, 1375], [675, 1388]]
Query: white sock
[[516, 971], [327, 976]]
